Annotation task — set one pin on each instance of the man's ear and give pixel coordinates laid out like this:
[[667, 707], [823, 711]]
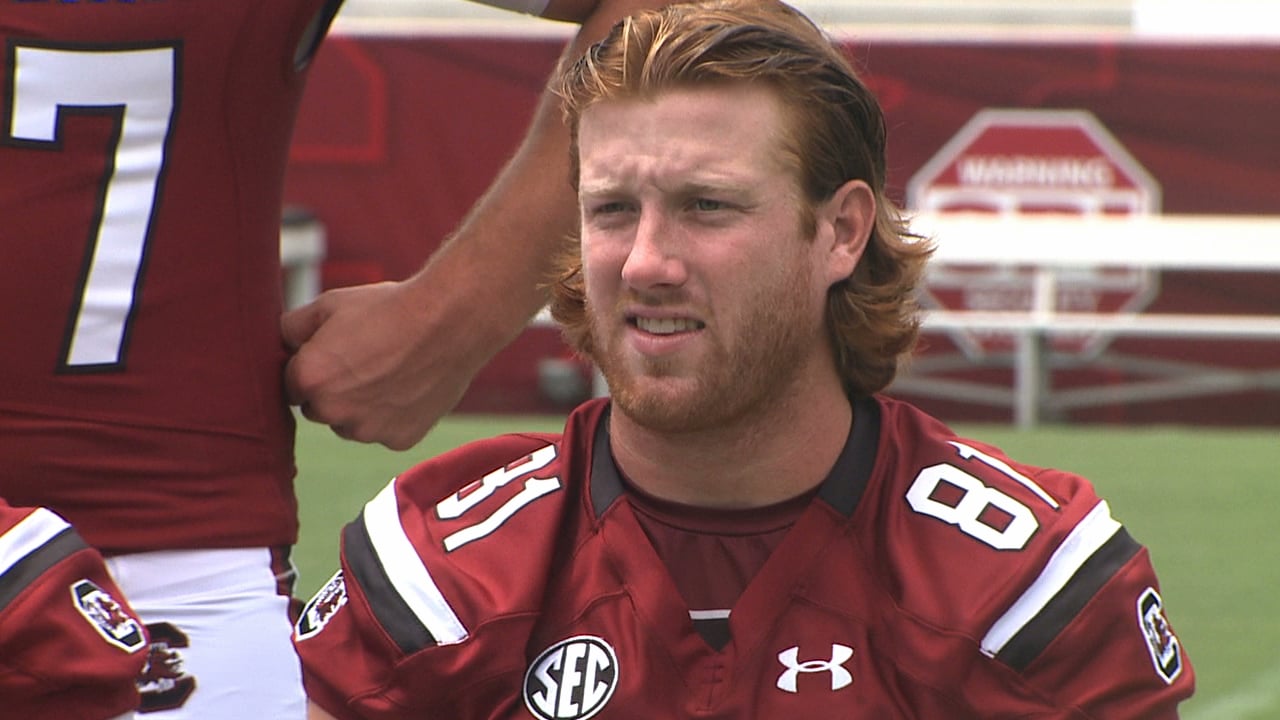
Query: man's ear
[[846, 221]]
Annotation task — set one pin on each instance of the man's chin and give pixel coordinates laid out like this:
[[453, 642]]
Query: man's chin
[[656, 403]]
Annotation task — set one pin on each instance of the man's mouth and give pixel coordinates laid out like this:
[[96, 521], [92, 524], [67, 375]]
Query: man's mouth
[[667, 326]]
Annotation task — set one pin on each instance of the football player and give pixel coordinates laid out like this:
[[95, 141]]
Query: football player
[[748, 527], [143, 147], [70, 645]]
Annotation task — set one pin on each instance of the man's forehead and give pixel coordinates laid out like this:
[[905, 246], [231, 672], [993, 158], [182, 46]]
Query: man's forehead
[[709, 137], [745, 106], [674, 172]]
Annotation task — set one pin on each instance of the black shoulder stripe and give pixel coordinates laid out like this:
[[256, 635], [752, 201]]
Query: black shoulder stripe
[[847, 481], [392, 612], [606, 482], [1036, 635], [24, 572], [314, 34]]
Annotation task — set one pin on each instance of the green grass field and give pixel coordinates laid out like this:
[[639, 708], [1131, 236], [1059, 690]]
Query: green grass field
[[1202, 499]]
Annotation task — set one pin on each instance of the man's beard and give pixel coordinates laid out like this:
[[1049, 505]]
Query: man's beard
[[730, 383]]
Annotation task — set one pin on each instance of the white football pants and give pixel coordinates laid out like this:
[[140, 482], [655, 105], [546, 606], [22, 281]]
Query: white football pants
[[220, 635]]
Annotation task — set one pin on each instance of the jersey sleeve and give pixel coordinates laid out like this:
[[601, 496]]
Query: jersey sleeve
[[1083, 625], [1060, 604], [70, 645], [1116, 655], [441, 575]]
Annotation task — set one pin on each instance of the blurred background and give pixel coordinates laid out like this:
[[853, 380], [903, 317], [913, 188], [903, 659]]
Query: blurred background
[[1161, 112]]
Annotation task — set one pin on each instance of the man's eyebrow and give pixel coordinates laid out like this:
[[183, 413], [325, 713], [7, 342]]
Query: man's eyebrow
[[683, 188], [728, 188], [604, 187]]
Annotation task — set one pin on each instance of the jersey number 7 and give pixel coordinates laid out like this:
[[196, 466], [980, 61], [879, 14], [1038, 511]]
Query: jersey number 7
[[137, 87]]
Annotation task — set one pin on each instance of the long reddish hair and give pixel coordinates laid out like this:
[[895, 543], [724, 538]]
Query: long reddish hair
[[837, 134]]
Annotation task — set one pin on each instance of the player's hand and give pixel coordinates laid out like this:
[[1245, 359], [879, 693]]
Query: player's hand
[[377, 363]]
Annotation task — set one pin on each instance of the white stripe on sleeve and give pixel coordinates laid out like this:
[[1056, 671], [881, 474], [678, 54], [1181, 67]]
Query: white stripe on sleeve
[[1093, 531], [406, 571], [29, 535]]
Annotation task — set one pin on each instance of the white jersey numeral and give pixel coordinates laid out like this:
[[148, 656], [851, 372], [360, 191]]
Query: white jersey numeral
[[1012, 526], [454, 506], [139, 85], [968, 501], [967, 513], [969, 453]]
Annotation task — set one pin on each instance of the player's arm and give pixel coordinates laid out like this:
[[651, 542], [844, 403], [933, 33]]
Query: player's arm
[[1064, 601], [1082, 621], [383, 362], [1118, 656], [570, 10], [70, 646], [432, 593]]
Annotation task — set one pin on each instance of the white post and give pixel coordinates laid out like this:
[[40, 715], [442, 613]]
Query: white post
[[1031, 376], [302, 249]]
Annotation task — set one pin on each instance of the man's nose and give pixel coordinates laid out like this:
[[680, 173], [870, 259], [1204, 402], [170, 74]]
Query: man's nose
[[654, 259]]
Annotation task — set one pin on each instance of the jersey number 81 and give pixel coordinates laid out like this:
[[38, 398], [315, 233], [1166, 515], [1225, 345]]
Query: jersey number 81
[[1011, 524]]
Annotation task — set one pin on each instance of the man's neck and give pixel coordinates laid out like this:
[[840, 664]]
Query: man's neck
[[761, 460]]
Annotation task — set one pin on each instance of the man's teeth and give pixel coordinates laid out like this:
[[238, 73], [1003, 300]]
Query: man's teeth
[[667, 326]]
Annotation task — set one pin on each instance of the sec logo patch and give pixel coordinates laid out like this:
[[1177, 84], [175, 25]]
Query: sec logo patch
[[571, 680]]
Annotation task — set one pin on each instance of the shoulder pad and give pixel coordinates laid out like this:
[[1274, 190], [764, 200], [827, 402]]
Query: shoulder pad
[[435, 566], [1001, 551]]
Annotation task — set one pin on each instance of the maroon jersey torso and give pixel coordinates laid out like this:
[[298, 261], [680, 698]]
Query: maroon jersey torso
[[142, 153], [929, 577]]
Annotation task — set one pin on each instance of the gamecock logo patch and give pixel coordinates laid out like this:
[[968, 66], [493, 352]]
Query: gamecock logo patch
[[1161, 641], [317, 613], [108, 616]]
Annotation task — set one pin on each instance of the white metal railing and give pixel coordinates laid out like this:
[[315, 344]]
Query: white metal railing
[[302, 251], [1050, 245]]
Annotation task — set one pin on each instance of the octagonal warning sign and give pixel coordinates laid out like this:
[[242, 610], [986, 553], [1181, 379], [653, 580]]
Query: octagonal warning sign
[[1021, 161]]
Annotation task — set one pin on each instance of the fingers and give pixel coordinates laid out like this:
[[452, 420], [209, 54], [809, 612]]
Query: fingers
[[346, 432], [298, 388], [298, 325], [352, 367], [293, 394], [361, 432]]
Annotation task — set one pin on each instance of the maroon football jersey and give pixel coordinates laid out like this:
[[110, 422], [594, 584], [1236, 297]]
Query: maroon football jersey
[[930, 577], [70, 646], [142, 155]]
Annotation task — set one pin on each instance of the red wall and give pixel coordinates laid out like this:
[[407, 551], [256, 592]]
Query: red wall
[[398, 137]]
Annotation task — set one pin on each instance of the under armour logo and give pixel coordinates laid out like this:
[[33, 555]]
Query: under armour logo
[[790, 658]]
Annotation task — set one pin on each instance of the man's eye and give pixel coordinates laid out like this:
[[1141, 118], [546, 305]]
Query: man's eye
[[609, 208], [707, 205]]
